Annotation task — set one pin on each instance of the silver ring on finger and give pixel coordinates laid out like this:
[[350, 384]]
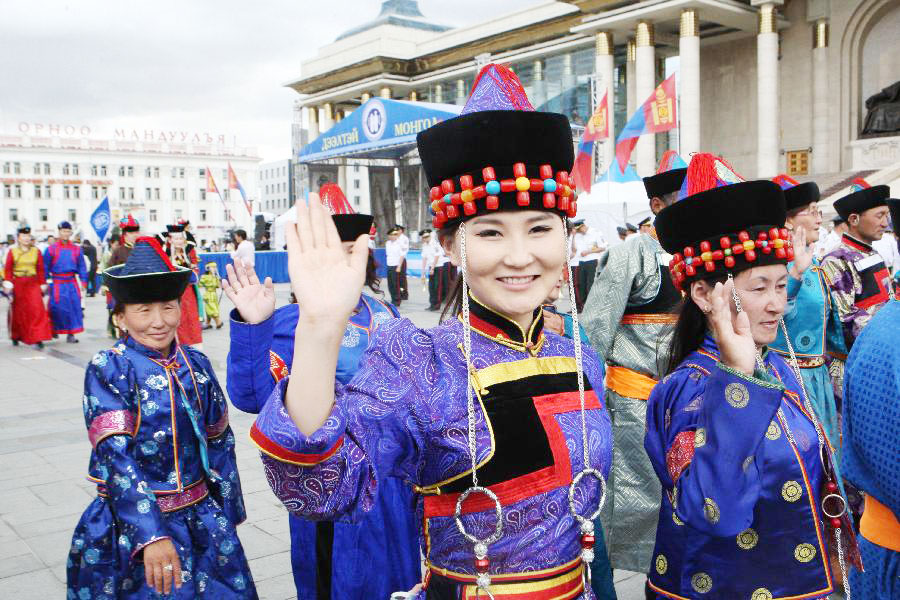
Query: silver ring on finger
[[168, 567]]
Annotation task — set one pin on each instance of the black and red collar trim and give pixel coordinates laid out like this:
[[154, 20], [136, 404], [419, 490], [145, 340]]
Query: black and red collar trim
[[856, 244], [504, 330]]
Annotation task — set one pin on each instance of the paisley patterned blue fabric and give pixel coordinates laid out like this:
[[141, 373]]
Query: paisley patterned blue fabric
[[813, 322], [871, 427], [404, 415], [159, 428], [384, 544], [743, 517]]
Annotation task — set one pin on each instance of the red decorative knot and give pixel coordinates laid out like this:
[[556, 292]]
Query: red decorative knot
[[556, 192], [587, 541], [482, 565], [836, 523], [686, 263], [831, 487]]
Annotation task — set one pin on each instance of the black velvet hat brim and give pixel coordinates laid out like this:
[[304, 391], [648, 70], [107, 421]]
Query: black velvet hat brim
[[664, 183], [467, 144], [146, 288], [350, 227], [861, 201], [751, 206], [801, 195]]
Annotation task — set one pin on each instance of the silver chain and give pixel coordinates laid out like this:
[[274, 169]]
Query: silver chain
[[579, 364]]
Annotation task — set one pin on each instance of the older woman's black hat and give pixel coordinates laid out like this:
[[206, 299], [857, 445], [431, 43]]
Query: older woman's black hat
[[147, 276], [728, 227]]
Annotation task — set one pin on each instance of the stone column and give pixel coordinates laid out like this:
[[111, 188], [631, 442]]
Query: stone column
[[460, 91], [327, 117], [689, 55], [413, 96], [604, 69], [820, 97], [768, 124], [385, 92], [365, 97], [312, 115], [630, 102], [645, 82], [538, 86], [438, 93]]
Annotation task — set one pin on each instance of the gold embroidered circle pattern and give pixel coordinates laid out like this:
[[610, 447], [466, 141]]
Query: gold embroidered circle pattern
[[699, 437], [774, 431], [791, 491], [711, 510], [676, 519], [661, 564], [761, 594], [805, 552], [747, 539], [737, 395], [701, 582]]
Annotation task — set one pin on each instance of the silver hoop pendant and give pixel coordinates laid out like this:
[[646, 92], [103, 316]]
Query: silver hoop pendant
[[843, 506], [482, 563], [586, 524]]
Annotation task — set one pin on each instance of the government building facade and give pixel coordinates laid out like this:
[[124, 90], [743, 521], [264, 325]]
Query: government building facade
[[50, 173], [773, 86]]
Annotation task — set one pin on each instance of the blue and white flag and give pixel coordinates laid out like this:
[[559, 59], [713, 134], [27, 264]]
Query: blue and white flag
[[101, 218]]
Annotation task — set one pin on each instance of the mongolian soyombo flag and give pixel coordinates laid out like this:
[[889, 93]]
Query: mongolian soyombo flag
[[656, 115], [597, 128], [234, 184]]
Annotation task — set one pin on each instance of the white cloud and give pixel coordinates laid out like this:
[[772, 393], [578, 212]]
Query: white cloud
[[216, 66]]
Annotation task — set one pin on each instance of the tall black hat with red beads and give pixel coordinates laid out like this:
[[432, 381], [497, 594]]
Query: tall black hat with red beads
[[722, 224], [498, 154]]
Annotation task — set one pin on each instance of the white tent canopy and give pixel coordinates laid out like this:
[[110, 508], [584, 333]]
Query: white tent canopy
[[610, 205]]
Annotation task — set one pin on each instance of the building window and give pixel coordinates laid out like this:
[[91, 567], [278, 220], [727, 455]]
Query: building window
[[156, 172], [67, 192], [181, 194], [95, 192], [46, 168], [37, 168], [356, 184], [37, 191], [356, 200], [42, 215], [18, 191], [156, 193], [203, 193], [7, 190], [73, 215], [17, 168], [121, 193], [74, 169], [6, 167], [147, 172], [122, 171], [131, 193], [181, 172], [13, 214], [153, 215], [147, 195], [77, 191], [798, 162], [178, 215], [202, 172], [94, 170], [103, 192], [66, 169], [47, 191], [131, 171], [103, 170], [202, 214]]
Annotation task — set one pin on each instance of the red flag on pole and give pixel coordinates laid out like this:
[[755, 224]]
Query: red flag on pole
[[597, 128]]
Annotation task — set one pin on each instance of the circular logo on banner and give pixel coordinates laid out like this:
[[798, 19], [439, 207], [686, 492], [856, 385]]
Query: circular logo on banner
[[374, 120], [100, 220]]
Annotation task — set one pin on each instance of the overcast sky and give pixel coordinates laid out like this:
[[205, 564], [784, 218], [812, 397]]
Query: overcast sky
[[197, 65]]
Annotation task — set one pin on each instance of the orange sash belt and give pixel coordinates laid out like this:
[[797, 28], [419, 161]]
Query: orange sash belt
[[628, 383], [879, 525], [566, 584]]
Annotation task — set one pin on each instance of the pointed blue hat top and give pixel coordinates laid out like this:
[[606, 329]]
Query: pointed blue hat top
[[496, 88]]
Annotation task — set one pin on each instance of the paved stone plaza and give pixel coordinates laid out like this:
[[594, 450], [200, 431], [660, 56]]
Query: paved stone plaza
[[44, 454]]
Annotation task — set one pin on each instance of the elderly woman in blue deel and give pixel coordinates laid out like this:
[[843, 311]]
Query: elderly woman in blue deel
[[168, 492]]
